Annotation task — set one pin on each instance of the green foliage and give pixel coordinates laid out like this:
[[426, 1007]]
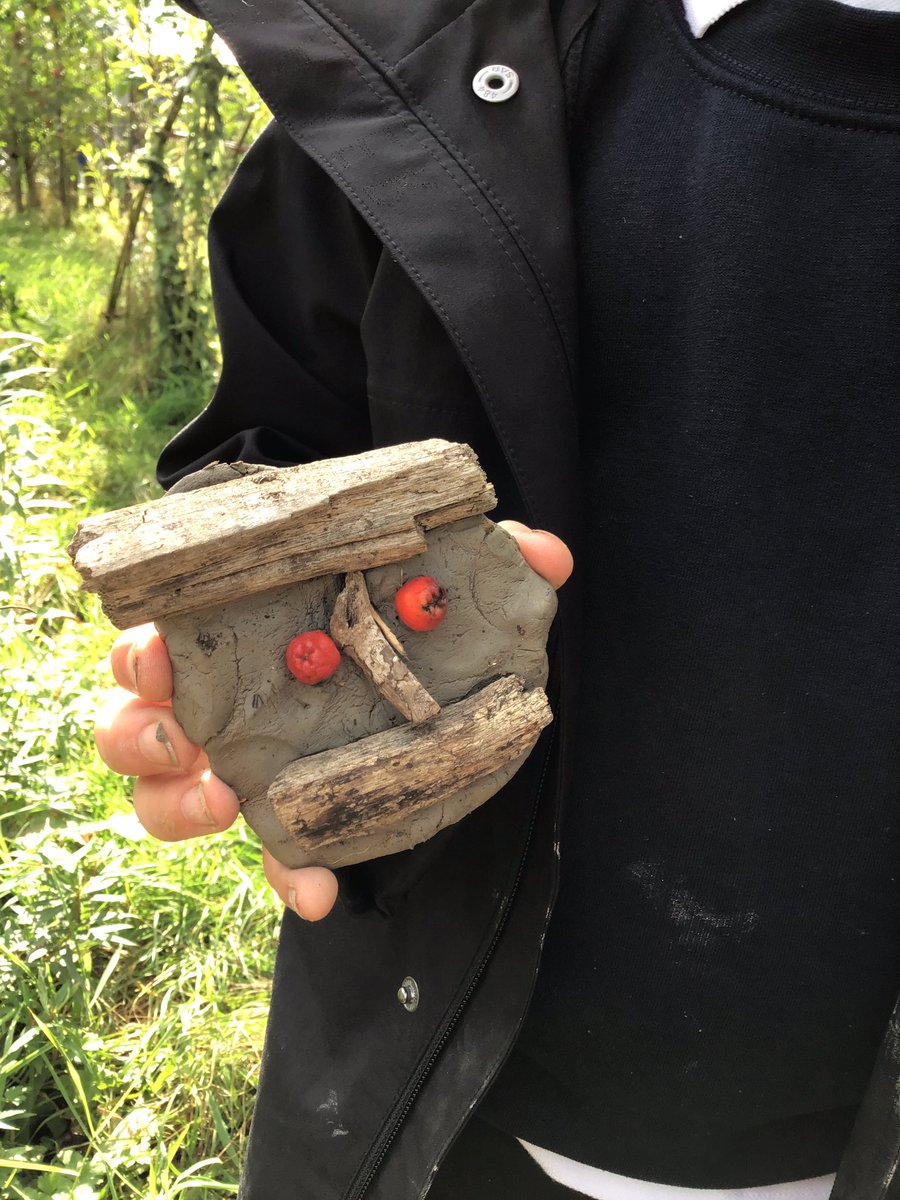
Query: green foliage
[[179, 196], [86, 92], [56, 277], [133, 976], [111, 396]]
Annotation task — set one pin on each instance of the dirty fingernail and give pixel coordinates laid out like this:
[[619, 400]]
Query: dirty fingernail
[[156, 745], [292, 903], [194, 808], [131, 663]]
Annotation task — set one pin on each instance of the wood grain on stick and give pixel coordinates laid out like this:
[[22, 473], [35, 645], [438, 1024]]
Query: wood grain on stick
[[360, 634], [194, 549], [383, 780]]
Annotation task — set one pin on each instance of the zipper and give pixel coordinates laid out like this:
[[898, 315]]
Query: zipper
[[416, 1084]]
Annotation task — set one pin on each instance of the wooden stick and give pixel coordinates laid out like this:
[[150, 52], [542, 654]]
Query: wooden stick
[[198, 548], [359, 631], [381, 781]]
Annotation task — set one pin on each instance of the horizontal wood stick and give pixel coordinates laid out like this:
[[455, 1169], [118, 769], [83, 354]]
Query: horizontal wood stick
[[198, 589], [193, 549], [384, 779]]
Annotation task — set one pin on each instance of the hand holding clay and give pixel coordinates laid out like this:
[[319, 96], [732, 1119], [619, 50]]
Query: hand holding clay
[[176, 796]]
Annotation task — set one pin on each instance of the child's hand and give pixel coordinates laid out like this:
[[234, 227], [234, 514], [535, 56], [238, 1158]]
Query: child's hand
[[176, 795]]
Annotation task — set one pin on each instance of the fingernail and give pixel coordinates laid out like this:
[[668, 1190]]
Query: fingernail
[[132, 667], [194, 808], [292, 903], [156, 745]]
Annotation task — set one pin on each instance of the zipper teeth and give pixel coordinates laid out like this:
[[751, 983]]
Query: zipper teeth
[[423, 1075]]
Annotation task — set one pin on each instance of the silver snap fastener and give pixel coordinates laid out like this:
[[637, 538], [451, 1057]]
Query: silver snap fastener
[[408, 994], [495, 83]]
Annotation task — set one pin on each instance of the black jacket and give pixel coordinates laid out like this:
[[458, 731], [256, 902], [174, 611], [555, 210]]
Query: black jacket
[[394, 260]]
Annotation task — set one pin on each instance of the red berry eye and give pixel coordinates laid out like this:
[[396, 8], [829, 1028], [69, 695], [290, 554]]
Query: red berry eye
[[421, 603], [312, 657]]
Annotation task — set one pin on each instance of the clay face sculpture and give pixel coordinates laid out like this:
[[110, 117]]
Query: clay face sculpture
[[414, 729]]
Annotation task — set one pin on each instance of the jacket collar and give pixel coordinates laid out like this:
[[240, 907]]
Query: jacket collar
[[470, 197]]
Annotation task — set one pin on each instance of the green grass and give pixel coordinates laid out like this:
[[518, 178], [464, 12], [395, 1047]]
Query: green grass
[[112, 395], [60, 277], [133, 975]]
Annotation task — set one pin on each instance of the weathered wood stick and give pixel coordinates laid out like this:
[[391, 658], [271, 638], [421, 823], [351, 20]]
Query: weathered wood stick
[[194, 549], [201, 588], [385, 779], [357, 630]]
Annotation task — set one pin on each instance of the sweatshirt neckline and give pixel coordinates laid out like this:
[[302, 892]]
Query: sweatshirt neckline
[[826, 58]]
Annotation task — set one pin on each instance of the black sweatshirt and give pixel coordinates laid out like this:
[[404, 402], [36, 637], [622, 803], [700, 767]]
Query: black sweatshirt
[[726, 946], [725, 950]]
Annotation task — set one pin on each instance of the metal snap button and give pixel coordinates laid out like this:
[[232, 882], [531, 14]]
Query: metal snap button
[[495, 83], [408, 994]]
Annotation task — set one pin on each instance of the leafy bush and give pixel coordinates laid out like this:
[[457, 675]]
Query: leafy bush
[[133, 976]]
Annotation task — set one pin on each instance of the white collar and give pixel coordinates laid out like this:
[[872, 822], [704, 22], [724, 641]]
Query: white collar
[[701, 14]]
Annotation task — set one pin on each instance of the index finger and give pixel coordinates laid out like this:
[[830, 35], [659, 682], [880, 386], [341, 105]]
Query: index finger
[[140, 663]]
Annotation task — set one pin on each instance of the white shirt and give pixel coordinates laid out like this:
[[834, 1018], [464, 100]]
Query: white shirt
[[603, 1185], [590, 1181], [701, 14]]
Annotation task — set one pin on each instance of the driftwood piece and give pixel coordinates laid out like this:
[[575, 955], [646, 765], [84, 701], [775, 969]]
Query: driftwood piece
[[360, 632], [191, 550], [243, 557], [383, 782]]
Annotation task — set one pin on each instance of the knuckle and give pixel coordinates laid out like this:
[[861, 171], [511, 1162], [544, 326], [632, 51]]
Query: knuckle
[[109, 706], [158, 824]]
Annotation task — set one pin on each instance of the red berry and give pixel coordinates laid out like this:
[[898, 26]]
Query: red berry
[[312, 657], [421, 603]]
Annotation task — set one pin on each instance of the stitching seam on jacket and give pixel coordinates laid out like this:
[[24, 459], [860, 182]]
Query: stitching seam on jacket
[[414, 127], [414, 108], [416, 105], [435, 33], [382, 398], [325, 159]]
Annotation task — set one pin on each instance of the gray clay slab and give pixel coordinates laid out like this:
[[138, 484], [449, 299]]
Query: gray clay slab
[[235, 696]]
